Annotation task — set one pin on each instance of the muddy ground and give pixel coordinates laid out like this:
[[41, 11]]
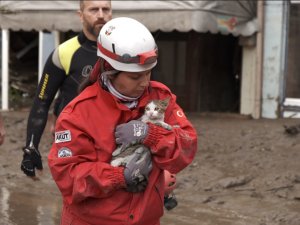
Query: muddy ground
[[246, 172]]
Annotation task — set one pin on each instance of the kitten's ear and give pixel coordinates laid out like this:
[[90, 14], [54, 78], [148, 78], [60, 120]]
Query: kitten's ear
[[165, 102]]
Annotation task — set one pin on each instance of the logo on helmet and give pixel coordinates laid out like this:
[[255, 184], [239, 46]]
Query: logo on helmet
[[109, 30], [126, 58]]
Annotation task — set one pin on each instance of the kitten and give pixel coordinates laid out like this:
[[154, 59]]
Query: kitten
[[154, 113]]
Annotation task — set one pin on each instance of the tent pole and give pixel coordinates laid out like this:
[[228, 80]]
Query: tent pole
[[40, 60], [259, 61], [47, 42], [5, 70]]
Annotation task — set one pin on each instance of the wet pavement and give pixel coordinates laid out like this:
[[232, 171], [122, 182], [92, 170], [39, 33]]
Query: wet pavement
[[24, 208], [246, 172], [19, 208]]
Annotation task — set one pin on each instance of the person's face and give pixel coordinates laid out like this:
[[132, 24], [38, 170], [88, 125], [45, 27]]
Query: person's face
[[93, 15], [131, 84]]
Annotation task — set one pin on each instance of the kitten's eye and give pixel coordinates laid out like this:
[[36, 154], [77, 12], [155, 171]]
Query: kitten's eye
[[147, 108], [156, 109]]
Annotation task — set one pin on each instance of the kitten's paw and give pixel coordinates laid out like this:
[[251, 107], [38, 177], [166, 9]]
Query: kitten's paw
[[116, 162], [117, 151], [168, 127]]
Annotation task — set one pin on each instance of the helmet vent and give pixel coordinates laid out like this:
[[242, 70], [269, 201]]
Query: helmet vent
[[113, 48]]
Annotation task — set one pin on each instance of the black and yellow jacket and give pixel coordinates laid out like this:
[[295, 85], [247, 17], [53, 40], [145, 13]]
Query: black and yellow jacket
[[65, 68]]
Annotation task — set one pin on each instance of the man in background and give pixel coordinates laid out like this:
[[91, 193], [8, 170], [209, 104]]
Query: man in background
[[66, 66]]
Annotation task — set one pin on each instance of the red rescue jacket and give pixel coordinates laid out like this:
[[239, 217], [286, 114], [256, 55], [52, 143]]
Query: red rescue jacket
[[93, 191]]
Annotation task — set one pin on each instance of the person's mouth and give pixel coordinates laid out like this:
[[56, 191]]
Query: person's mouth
[[100, 23]]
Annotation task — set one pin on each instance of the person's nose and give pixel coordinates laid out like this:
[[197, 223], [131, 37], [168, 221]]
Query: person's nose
[[100, 13], [145, 81]]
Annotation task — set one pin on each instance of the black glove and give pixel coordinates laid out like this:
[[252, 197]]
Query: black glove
[[133, 132], [137, 170], [31, 160]]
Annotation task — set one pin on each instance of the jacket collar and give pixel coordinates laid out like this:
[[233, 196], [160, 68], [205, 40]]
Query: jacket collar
[[96, 90]]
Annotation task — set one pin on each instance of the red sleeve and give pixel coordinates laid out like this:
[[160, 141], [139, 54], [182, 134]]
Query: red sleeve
[[74, 164], [174, 149]]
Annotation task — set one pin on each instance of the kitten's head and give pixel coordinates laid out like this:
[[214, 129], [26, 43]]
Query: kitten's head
[[155, 109]]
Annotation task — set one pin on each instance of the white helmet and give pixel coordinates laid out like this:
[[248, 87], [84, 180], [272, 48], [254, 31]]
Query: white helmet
[[127, 45]]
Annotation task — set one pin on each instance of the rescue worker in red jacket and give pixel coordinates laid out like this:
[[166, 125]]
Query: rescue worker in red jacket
[[105, 115]]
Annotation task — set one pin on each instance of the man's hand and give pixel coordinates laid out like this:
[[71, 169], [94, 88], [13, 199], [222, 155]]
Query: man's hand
[[137, 170], [31, 160], [133, 132]]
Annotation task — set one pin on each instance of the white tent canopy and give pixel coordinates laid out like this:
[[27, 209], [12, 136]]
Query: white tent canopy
[[228, 17]]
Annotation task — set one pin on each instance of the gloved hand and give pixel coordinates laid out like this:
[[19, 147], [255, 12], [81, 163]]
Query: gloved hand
[[132, 132], [31, 160], [137, 170]]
